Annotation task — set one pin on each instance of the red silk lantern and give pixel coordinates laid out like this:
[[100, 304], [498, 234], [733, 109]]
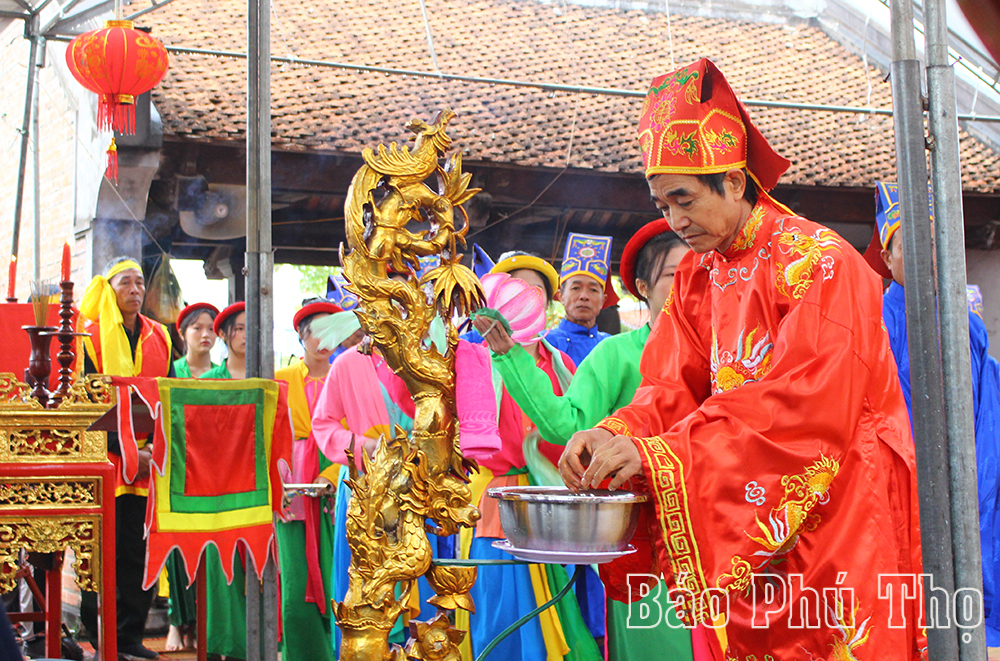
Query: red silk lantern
[[118, 63]]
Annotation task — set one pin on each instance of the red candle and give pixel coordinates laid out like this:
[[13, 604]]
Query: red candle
[[65, 263], [11, 276]]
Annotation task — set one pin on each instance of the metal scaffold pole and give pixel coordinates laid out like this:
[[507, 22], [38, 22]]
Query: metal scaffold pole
[[262, 598], [938, 335], [949, 242], [31, 28], [926, 377]]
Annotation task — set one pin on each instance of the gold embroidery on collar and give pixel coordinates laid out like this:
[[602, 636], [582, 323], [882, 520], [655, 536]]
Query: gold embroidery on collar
[[748, 234]]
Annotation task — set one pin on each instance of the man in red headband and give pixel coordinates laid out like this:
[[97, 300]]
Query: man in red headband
[[769, 429]]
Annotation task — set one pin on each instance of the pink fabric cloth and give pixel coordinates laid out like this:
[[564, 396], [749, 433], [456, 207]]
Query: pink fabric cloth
[[478, 435], [476, 402], [351, 402], [350, 405]]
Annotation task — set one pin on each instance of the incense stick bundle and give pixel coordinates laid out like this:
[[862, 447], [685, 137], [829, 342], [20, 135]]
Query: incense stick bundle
[[41, 296]]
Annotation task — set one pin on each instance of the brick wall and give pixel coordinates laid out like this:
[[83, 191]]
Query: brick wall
[[62, 105]]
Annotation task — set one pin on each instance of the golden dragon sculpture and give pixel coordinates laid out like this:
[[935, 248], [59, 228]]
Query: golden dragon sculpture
[[402, 206]]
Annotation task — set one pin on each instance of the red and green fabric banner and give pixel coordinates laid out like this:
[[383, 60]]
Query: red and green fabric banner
[[216, 452]]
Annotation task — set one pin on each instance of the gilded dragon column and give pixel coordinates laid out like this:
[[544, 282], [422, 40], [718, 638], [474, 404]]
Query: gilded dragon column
[[408, 480]]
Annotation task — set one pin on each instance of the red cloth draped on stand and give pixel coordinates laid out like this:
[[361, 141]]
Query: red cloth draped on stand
[[215, 476]]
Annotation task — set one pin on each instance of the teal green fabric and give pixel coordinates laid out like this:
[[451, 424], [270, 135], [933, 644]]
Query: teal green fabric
[[226, 607], [183, 371], [181, 608], [605, 381], [305, 631], [631, 643], [218, 372]]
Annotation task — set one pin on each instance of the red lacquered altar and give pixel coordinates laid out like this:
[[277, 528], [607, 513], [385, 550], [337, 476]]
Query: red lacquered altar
[[57, 487]]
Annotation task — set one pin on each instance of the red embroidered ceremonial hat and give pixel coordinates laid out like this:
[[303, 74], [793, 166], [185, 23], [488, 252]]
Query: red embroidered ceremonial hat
[[227, 312], [692, 123], [634, 247], [192, 308], [319, 307]]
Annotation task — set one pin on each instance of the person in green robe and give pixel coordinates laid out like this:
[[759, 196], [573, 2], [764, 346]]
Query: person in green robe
[[226, 606], [605, 381], [194, 325]]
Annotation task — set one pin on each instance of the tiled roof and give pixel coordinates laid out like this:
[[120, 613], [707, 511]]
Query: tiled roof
[[335, 110]]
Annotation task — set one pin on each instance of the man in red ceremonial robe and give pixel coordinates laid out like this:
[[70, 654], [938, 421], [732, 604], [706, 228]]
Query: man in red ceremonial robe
[[770, 430], [123, 342]]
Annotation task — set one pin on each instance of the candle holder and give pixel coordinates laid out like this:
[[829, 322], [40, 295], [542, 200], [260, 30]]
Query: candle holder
[[40, 362], [66, 335]]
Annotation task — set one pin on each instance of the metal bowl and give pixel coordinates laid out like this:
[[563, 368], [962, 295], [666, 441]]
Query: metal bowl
[[557, 519]]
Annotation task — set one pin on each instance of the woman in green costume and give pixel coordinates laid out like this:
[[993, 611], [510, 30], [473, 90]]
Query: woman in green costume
[[194, 325], [227, 602], [604, 382], [305, 542]]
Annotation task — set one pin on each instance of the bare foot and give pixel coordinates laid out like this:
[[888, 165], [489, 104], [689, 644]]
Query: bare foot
[[175, 642], [190, 640]]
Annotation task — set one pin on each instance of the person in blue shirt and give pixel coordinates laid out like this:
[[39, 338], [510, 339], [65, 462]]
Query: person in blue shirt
[[885, 255], [584, 290]]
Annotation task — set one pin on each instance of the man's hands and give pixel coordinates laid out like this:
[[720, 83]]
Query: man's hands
[[145, 455], [496, 336], [593, 455]]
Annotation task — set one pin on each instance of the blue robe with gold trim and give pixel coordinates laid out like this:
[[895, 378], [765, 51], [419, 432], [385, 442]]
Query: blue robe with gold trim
[[986, 407]]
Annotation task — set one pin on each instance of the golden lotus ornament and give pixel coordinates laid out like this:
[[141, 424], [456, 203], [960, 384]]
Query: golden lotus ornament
[[420, 477]]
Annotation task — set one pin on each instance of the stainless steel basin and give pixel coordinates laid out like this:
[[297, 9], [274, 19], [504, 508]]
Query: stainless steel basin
[[557, 519]]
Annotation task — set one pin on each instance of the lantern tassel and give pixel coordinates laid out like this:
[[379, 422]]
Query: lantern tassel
[[112, 170], [124, 121], [105, 112], [115, 114]]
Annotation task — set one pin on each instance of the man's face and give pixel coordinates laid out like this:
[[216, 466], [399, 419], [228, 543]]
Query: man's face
[[893, 258], [130, 288], [704, 219], [583, 297]]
